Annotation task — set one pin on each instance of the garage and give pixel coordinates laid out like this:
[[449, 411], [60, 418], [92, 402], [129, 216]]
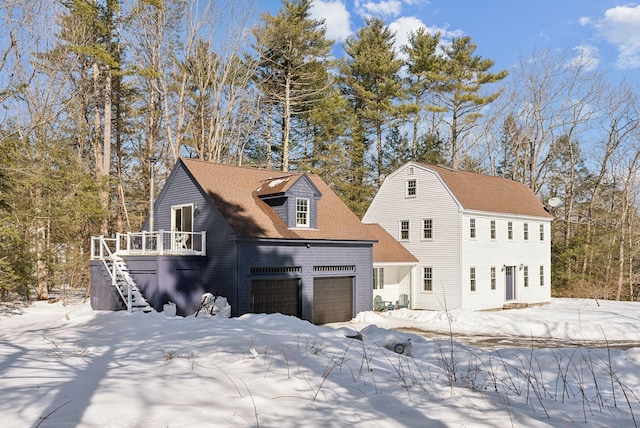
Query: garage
[[332, 299], [275, 296]]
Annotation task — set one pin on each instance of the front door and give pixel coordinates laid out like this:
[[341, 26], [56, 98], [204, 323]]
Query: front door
[[509, 283]]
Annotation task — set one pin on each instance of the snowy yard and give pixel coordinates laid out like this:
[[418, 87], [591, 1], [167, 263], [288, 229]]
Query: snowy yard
[[64, 366]]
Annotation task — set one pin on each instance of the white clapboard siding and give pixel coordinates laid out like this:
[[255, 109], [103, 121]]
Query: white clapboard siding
[[451, 253]]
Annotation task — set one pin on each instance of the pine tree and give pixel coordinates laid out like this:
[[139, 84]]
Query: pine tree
[[422, 63], [458, 84], [371, 76], [293, 58]]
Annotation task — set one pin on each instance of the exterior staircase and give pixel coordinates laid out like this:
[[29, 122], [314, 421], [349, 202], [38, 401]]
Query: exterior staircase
[[125, 284], [119, 276]]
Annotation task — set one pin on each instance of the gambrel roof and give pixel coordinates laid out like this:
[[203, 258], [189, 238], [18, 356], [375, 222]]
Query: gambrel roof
[[478, 192], [235, 192]]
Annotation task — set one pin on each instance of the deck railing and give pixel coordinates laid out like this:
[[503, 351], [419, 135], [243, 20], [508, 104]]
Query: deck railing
[[159, 243]]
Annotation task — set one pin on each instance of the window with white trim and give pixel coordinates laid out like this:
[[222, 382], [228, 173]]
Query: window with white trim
[[542, 232], [411, 188], [541, 276], [378, 278], [404, 230], [510, 231], [525, 276], [302, 212], [472, 228], [525, 231], [493, 229], [493, 277], [427, 228], [427, 278], [472, 279]]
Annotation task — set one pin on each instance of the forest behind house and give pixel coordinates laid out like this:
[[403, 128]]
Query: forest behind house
[[96, 93]]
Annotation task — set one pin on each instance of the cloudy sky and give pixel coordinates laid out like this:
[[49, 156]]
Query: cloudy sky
[[606, 33]]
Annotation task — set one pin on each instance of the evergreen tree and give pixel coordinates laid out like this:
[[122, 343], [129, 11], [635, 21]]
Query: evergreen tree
[[422, 63], [458, 83], [371, 76], [293, 58]]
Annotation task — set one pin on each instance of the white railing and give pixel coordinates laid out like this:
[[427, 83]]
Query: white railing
[[150, 243]]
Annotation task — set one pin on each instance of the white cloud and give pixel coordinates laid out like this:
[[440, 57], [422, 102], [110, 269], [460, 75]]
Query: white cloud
[[587, 56], [336, 16], [619, 26], [407, 24], [584, 20], [381, 9]]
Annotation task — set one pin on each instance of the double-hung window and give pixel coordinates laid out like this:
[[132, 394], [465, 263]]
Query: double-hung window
[[378, 278], [525, 231], [510, 231], [427, 278], [472, 279], [493, 229], [302, 212], [541, 276], [493, 277], [542, 232], [427, 228], [472, 228], [525, 276], [411, 188], [404, 230]]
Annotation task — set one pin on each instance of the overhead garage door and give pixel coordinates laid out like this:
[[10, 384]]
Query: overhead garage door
[[332, 299], [275, 295]]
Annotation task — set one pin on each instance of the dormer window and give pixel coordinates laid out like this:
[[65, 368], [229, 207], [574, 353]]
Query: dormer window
[[302, 212]]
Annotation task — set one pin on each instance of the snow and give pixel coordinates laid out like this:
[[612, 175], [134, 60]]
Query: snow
[[67, 365]]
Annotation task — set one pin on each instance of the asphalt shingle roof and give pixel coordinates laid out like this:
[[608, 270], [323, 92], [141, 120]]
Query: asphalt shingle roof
[[235, 193], [492, 194]]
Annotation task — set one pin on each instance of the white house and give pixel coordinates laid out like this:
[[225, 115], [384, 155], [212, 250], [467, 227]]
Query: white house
[[481, 242]]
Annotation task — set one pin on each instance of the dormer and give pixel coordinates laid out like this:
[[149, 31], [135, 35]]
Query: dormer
[[294, 198]]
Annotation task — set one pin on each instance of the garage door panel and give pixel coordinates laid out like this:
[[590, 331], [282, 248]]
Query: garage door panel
[[332, 299], [276, 296]]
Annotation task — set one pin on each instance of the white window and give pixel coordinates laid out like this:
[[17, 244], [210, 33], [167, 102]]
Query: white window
[[542, 232], [472, 279], [182, 227], [302, 212], [472, 228], [493, 277], [541, 276], [510, 230], [378, 278], [404, 230], [427, 278], [411, 188], [525, 276], [427, 228], [493, 229], [525, 231]]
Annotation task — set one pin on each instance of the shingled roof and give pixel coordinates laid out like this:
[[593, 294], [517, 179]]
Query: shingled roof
[[235, 193], [492, 194], [387, 249]]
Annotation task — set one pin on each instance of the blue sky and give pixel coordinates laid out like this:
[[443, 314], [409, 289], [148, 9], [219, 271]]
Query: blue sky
[[605, 32]]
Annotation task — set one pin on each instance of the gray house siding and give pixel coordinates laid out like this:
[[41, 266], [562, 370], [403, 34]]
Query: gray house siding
[[232, 262], [315, 260], [302, 189]]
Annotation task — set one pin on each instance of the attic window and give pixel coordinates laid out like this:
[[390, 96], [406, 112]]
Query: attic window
[[411, 188], [302, 212], [410, 170]]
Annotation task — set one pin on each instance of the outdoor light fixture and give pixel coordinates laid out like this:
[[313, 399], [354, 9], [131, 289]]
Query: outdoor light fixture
[[521, 266], [504, 267]]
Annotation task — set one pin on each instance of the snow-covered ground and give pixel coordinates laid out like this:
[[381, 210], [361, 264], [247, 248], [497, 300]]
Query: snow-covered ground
[[68, 366]]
